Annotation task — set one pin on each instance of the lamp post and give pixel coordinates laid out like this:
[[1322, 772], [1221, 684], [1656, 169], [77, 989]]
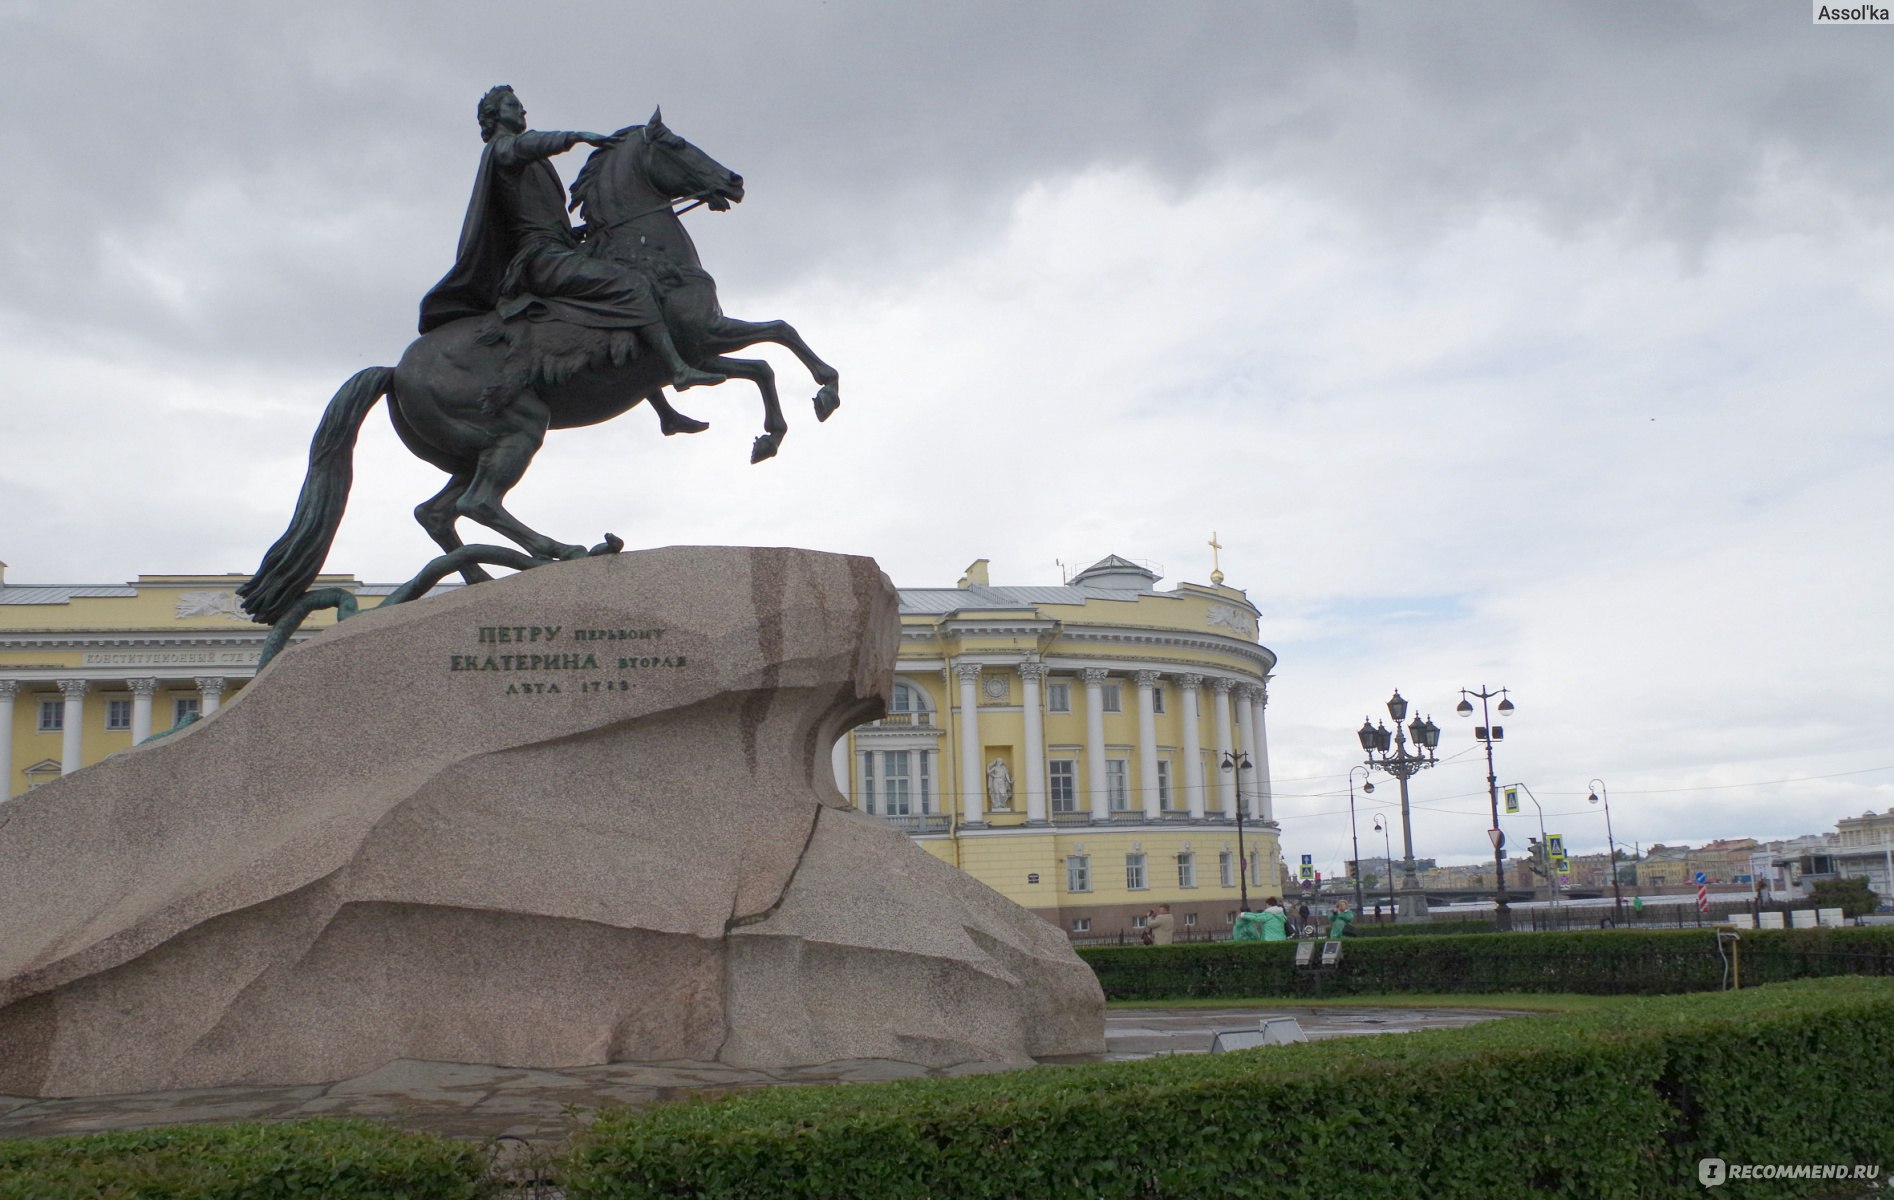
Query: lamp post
[[1489, 733], [1381, 825], [1403, 766], [1238, 762], [1367, 785], [1598, 793]]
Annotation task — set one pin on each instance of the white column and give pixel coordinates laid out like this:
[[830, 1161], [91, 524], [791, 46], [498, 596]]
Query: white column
[[972, 774], [1245, 785], [211, 688], [1095, 743], [839, 767], [1147, 743], [1265, 791], [1220, 714], [71, 748], [1189, 688], [8, 688], [1030, 673], [142, 691]]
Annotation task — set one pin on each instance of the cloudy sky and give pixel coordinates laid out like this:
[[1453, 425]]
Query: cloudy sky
[[1526, 344]]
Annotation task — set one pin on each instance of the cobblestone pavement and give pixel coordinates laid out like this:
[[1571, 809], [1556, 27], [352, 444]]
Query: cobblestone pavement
[[462, 1100]]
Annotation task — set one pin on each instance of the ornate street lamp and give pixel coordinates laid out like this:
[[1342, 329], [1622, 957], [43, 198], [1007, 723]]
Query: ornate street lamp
[[1376, 739], [1238, 762], [1381, 827], [1489, 733], [1599, 793], [1367, 785]]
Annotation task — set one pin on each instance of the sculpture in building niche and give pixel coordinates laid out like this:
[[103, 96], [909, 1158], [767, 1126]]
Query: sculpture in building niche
[[538, 326], [999, 786]]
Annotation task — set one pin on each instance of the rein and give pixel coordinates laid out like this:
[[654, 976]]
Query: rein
[[676, 212]]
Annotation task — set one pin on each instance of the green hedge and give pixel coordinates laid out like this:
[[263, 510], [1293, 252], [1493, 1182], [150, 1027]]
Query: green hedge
[[1597, 962], [1619, 1102], [330, 1159]]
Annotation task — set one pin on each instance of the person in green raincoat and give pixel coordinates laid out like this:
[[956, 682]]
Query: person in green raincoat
[[1275, 921], [1338, 920], [1248, 927]]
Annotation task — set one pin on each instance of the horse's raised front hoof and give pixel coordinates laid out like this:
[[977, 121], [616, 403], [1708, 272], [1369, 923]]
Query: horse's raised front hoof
[[826, 402], [679, 423], [764, 447], [611, 545]]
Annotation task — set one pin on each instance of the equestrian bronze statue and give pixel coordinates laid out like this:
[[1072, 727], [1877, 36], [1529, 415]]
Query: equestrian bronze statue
[[538, 326]]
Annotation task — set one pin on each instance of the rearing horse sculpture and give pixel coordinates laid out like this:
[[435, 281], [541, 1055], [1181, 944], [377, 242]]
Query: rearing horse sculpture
[[545, 375]]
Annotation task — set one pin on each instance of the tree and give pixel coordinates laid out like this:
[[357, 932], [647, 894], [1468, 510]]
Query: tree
[[1851, 896]]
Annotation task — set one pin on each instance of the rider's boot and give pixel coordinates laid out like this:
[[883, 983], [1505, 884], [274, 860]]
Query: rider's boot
[[683, 375]]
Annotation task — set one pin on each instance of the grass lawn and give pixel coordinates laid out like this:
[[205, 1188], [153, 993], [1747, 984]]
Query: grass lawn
[[1520, 1001]]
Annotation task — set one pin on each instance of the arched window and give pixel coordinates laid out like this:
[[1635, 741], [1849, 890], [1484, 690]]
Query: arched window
[[908, 706], [907, 698]]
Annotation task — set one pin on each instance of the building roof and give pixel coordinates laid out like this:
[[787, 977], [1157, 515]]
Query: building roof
[[61, 593]]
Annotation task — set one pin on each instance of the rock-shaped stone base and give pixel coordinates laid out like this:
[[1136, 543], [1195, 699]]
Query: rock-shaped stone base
[[579, 815]]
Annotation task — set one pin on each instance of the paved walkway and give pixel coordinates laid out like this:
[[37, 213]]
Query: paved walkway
[[460, 1100]]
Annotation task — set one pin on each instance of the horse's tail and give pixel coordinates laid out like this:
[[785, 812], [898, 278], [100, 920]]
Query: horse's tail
[[293, 563]]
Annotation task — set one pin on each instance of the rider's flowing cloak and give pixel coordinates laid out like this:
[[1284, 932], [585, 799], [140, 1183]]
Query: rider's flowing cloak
[[472, 287], [545, 276]]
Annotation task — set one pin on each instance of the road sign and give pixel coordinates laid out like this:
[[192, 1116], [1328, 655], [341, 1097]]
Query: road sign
[[1703, 898], [1702, 878], [1497, 837], [1555, 844], [1308, 859], [1512, 800]]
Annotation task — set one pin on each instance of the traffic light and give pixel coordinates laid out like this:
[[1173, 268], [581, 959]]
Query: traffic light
[[1538, 863]]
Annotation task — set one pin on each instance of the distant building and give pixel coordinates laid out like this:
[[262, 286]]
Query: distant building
[[1107, 707]]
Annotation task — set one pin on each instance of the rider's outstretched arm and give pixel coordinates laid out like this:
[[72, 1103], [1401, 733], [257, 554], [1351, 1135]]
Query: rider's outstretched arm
[[535, 144]]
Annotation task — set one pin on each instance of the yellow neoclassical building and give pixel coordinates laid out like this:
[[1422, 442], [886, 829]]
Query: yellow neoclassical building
[[1064, 744]]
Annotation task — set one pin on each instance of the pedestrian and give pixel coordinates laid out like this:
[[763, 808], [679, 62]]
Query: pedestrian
[[1338, 920], [1302, 918], [1275, 920], [1159, 925], [1248, 927]]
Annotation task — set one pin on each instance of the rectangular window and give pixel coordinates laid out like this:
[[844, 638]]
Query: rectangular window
[[1190, 920], [118, 714], [1226, 869], [923, 782], [1134, 872], [1118, 784], [1059, 697], [1140, 921], [1157, 699], [1114, 700], [1256, 868], [1187, 870], [184, 706], [52, 716], [1081, 924], [1078, 873], [1229, 918], [1165, 797], [895, 784], [1062, 784], [868, 781]]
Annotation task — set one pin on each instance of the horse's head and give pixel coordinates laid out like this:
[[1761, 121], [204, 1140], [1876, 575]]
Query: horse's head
[[649, 161], [679, 169]]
